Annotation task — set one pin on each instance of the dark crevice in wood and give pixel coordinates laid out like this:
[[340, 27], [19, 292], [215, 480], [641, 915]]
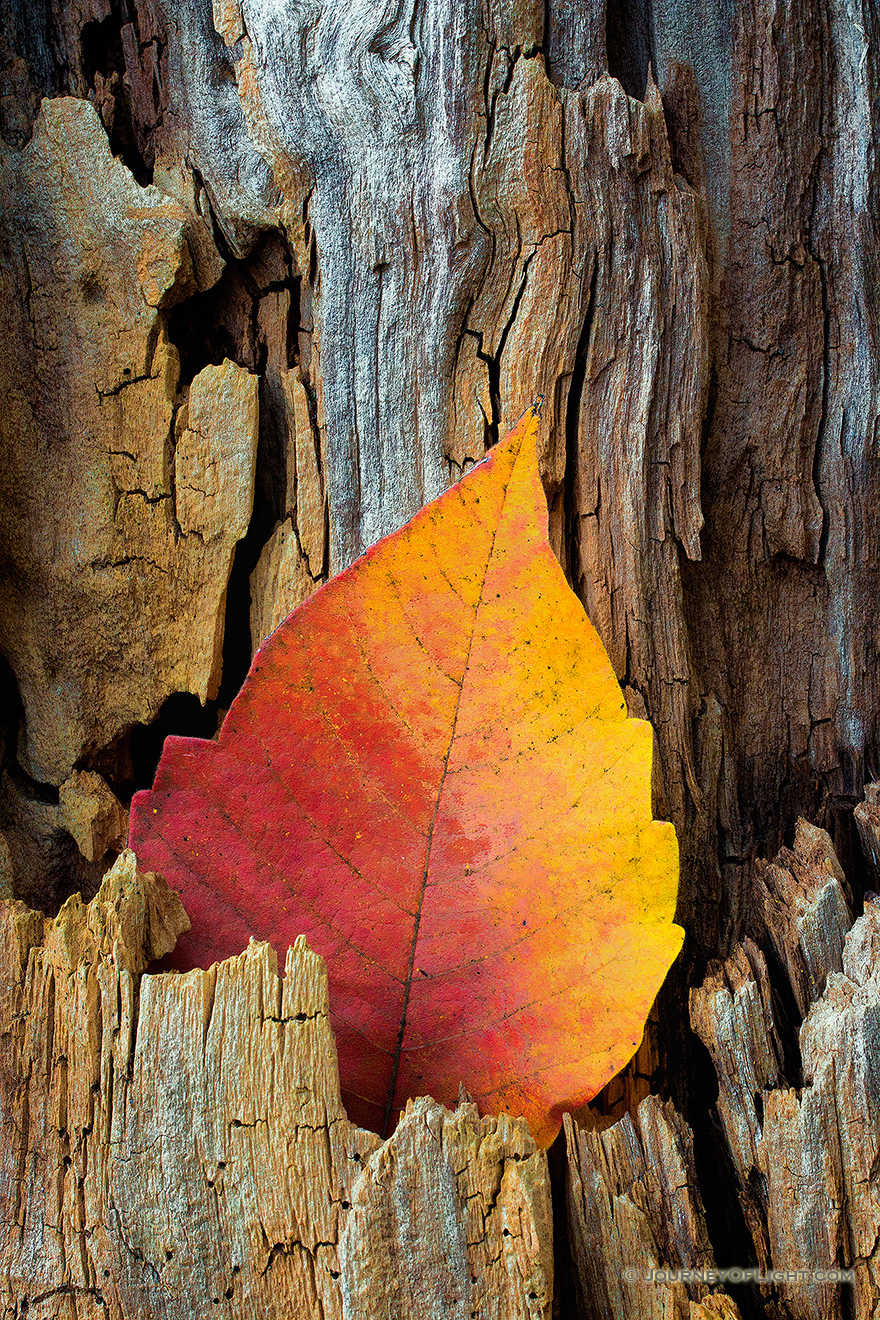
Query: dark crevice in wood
[[839, 821], [717, 1180], [709, 414], [785, 1010], [629, 43], [45, 864], [130, 763], [207, 328], [564, 1287], [812, 248], [103, 55], [571, 512], [12, 734], [237, 630], [270, 492], [222, 321]]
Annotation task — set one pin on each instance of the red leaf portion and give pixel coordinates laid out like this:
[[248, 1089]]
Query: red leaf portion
[[429, 772]]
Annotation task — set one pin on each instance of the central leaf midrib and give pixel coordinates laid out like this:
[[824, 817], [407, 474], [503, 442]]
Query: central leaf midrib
[[395, 1068]]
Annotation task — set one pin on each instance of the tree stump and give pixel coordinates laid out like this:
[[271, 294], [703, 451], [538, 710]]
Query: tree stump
[[272, 277]]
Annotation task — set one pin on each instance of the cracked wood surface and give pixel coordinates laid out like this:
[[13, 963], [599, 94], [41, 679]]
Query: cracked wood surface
[[175, 1145], [802, 1125], [429, 216], [405, 224], [116, 568], [634, 1205]]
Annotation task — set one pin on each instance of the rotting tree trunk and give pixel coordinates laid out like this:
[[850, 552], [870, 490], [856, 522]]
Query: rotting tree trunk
[[272, 276]]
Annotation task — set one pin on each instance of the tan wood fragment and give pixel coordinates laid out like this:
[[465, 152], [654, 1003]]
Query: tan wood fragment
[[92, 814], [802, 901], [176, 1146], [634, 1206]]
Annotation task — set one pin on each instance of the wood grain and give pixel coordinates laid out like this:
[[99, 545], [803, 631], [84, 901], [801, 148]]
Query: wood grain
[[406, 223], [176, 1144]]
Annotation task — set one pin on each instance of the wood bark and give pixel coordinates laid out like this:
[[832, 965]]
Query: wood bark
[[273, 276]]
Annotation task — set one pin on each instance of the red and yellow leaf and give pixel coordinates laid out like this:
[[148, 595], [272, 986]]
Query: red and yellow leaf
[[430, 773]]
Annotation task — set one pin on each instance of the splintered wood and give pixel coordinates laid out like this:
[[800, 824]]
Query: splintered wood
[[804, 1138], [799, 1127], [175, 1145], [634, 1206]]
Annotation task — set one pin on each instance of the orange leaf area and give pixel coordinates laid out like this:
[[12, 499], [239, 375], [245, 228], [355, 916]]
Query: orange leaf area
[[429, 771]]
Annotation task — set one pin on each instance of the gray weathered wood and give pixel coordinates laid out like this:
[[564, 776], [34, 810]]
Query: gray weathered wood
[[805, 1149]]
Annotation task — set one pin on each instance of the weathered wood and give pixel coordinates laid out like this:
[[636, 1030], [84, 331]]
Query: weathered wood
[[174, 1144], [805, 1147], [867, 818], [802, 901], [122, 602], [168, 1140], [404, 225], [732, 1014], [92, 815], [634, 1206], [476, 214]]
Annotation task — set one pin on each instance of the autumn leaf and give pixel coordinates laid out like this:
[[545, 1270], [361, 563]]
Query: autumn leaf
[[429, 771]]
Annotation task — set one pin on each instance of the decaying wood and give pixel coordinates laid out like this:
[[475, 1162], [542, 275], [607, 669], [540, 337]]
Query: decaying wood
[[634, 1206], [92, 815], [427, 219], [273, 275], [802, 901], [867, 818], [170, 1140], [121, 604], [172, 1145], [804, 1140]]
